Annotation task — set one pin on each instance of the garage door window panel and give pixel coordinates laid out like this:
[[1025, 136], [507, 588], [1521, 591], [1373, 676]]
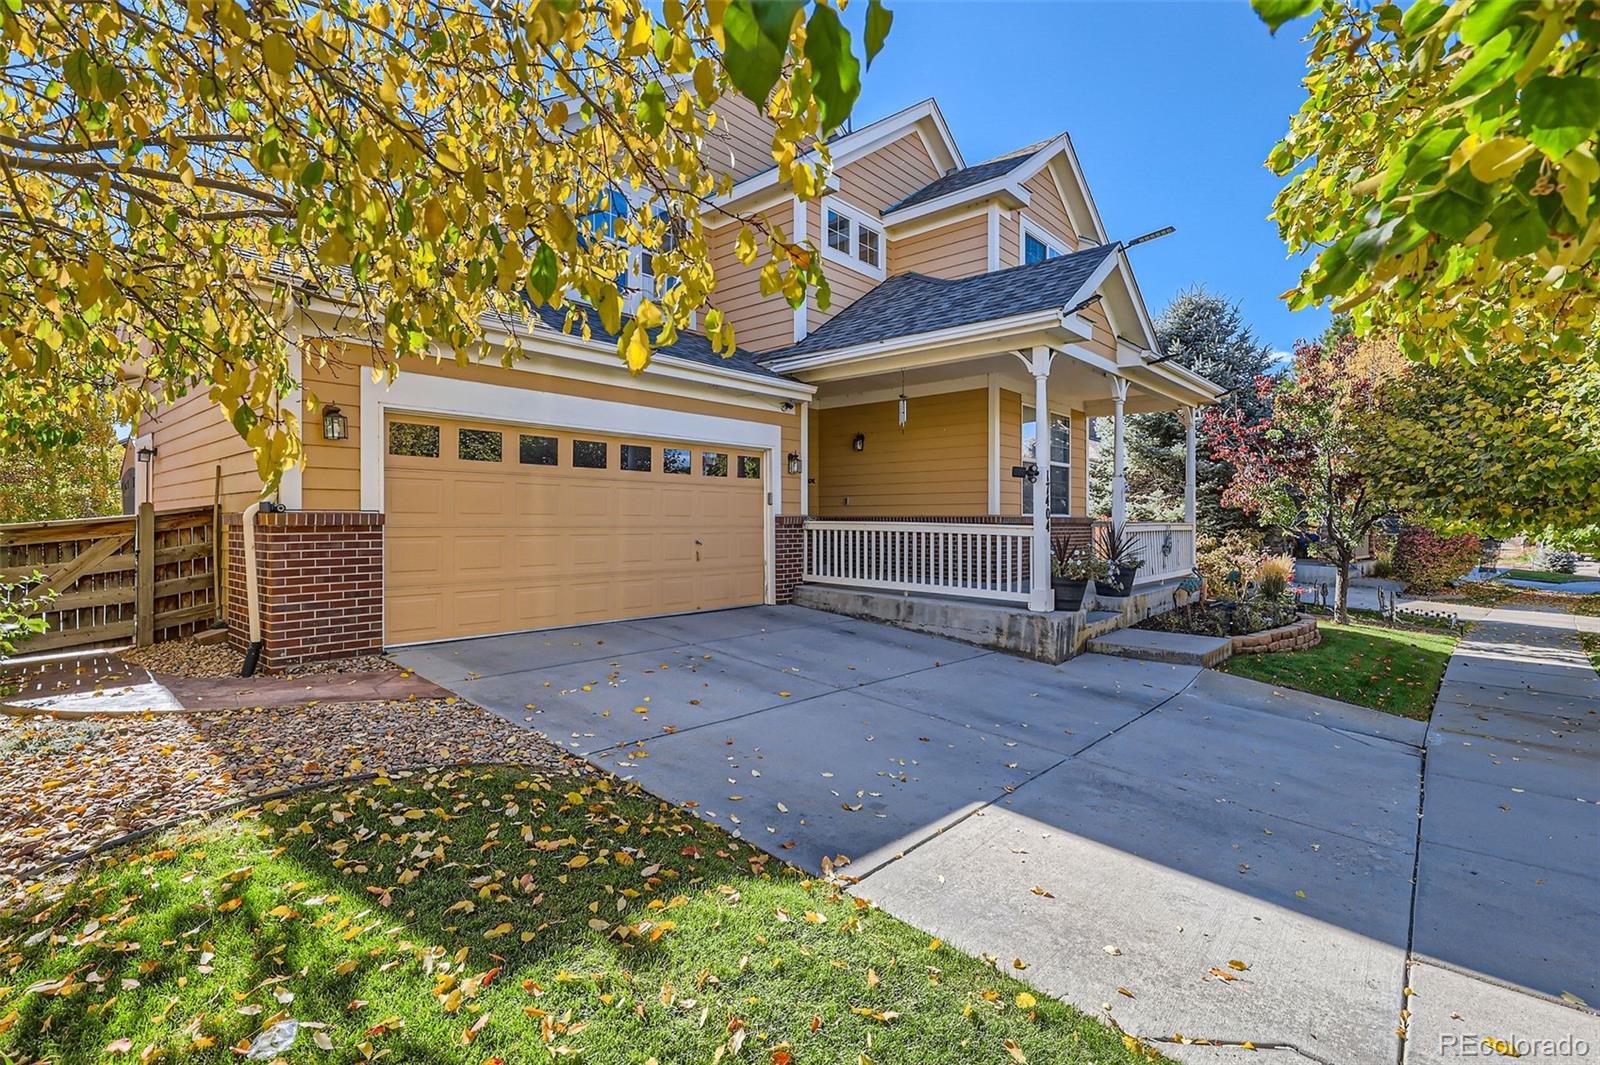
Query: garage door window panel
[[713, 464], [676, 460], [537, 450], [749, 466], [478, 445], [414, 440], [589, 454], [636, 457]]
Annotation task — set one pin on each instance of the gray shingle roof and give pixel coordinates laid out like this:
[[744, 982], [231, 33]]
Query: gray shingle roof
[[691, 346], [966, 178], [908, 304]]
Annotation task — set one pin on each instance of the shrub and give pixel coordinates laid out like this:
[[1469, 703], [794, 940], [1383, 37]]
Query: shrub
[[1273, 577], [1554, 559], [1427, 561], [1225, 563]]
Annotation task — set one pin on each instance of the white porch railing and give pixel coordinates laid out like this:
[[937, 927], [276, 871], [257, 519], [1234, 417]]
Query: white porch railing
[[1166, 549], [974, 560]]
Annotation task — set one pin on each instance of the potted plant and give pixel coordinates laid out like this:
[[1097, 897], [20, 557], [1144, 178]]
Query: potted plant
[[1071, 570], [1121, 562]]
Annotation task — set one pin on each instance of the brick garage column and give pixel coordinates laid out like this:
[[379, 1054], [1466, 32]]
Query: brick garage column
[[788, 546], [321, 583]]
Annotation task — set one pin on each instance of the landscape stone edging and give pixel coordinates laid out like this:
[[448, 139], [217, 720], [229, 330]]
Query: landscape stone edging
[[1295, 636]]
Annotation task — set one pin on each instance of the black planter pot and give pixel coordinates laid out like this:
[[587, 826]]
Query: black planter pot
[[1121, 586], [1069, 593]]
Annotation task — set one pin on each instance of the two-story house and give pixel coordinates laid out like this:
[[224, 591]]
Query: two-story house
[[980, 314]]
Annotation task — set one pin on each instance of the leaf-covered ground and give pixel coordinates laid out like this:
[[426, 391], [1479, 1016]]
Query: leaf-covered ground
[[69, 784], [1396, 670], [497, 916]]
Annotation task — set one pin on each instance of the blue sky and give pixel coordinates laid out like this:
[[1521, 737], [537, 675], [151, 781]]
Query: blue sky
[[1171, 106]]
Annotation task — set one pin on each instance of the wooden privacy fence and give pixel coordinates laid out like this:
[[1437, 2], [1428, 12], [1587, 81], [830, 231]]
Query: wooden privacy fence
[[135, 578]]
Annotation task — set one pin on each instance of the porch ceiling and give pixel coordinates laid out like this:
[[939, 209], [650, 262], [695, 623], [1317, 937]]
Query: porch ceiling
[[1073, 384]]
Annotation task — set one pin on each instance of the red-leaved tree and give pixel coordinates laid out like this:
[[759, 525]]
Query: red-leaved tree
[[1302, 468]]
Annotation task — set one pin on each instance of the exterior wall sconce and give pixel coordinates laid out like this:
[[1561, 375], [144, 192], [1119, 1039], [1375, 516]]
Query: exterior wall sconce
[[335, 426], [794, 462], [860, 442], [145, 454]]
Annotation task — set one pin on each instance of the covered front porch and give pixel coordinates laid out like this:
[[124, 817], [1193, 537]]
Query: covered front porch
[[954, 463]]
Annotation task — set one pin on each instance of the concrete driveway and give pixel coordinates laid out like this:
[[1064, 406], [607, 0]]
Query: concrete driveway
[[1181, 851]]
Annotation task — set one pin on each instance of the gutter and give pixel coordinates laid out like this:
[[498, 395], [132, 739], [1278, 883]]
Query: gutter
[[252, 589]]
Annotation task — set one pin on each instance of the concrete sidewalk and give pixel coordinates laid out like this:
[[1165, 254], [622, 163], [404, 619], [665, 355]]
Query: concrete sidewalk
[[1507, 911]]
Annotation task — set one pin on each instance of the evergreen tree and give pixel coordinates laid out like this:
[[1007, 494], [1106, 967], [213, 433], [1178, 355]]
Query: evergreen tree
[[1207, 334]]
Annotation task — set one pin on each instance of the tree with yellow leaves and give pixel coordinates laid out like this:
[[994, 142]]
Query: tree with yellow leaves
[[176, 175]]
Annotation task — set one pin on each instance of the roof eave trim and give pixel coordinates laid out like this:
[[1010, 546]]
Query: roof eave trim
[[1048, 318]]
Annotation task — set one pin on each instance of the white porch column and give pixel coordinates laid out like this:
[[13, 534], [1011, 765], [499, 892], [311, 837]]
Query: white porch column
[[1041, 596], [1119, 483], [1189, 415]]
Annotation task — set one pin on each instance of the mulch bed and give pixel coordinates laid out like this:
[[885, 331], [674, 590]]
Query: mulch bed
[[70, 784], [191, 658]]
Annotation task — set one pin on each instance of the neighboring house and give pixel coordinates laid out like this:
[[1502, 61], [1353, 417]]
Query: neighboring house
[[561, 490]]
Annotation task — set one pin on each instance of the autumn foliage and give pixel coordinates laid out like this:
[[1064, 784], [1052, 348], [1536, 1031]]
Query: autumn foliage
[[1428, 561]]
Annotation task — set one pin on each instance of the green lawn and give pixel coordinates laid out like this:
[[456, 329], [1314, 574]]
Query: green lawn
[[480, 915], [1544, 575], [1591, 643], [1389, 669]]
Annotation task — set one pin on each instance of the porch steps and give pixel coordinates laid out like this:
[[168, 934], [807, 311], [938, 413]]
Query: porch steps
[[1175, 648]]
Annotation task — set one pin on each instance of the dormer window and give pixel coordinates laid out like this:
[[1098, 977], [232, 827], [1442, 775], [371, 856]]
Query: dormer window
[[1037, 245], [852, 238]]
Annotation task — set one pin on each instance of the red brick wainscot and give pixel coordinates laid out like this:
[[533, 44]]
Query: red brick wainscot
[[320, 574], [1295, 636], [788, 555]]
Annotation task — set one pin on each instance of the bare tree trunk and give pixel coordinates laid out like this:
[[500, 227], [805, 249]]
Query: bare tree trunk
[[1341, 586]]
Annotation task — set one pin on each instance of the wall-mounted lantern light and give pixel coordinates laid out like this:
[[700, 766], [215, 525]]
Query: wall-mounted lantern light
[[794, 462], [335, 426], [145, 454], [860, 442]]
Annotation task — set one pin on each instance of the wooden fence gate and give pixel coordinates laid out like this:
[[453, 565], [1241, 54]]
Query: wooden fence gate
[[134, 578]]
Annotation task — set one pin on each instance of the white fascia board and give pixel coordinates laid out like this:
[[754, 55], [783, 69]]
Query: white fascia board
[[1090, 286], [1090, 359], [1197, 382], [1005, 186], [998, 327], [555, 343], [915, 226], [1135, 297]]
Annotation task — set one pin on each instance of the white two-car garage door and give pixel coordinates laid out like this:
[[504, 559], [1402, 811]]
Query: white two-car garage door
[[497, 528]]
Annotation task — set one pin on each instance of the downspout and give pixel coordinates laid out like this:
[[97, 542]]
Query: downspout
[[252, 590]]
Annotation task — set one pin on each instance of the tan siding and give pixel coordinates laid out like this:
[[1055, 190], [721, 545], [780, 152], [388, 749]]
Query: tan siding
[[1080, 463], [1046, 209], [741, 143], [1010, 239], [332, 477], [192, 438], [760, 323], [1103, 342], [957, 250], [888, 175], [1010, 451], [936, 466]]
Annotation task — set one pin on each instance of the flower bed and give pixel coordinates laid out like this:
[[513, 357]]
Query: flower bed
[[1224, 618]]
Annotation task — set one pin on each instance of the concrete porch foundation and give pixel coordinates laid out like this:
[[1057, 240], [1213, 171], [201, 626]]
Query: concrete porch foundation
[[1048, 636]]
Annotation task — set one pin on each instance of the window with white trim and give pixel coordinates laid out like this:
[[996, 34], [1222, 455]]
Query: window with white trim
[[1037, 243], [852, 238], [1058, 465]]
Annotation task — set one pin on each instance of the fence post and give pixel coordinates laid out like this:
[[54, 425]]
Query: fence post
[[144, 580]]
